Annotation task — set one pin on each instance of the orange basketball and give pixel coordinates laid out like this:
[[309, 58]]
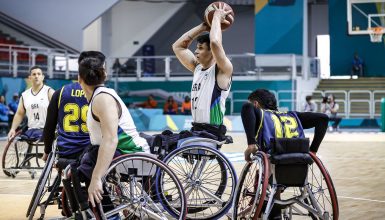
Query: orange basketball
[[209, 13]]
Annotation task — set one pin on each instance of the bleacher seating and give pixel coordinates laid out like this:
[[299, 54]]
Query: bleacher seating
[[360, 91], [23, 52]]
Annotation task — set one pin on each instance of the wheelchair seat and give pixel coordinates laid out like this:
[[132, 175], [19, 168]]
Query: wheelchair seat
[[290, 159], [32, 136], [62, 163]]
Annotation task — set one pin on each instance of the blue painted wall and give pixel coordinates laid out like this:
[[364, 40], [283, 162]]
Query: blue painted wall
[[343, 46], [278, 29]]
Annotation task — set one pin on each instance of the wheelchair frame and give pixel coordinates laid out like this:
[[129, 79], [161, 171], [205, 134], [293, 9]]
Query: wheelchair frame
[[21, 158], [262, 193], [201, 154], [127, 188], [44, 186]]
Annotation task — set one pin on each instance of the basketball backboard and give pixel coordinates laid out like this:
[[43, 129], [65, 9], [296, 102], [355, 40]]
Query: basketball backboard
[[364, 15]]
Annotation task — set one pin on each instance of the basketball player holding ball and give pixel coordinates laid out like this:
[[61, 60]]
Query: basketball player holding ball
[[212, 70]]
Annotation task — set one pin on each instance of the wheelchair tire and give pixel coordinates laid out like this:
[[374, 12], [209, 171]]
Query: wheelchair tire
[[331, 196], [66, 208], [251, 188], [41, 184], [10, 158], [205, 185], [120, 182]]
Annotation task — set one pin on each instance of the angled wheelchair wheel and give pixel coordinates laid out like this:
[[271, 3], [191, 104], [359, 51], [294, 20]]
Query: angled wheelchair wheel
[[13, 154], [318, 196], [251, 188], [42, 187], [208, 178], [132, 192], [323, 196]]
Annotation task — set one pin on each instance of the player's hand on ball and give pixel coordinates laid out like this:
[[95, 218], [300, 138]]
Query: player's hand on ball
[[222, 13]]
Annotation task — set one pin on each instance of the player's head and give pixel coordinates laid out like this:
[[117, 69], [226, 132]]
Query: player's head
[[95, 54], [264, 99], [36, 76], [204, 39], [203, 50], [92, 70], [309, 98]]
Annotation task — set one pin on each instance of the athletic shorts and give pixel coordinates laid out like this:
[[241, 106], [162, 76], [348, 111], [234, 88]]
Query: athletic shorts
[[87, 163]]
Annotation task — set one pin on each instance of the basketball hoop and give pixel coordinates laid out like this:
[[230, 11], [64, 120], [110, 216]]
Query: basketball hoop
[[376, 34]]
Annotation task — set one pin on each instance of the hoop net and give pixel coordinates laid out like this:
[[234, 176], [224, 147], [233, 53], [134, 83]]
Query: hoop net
[[376, 34]]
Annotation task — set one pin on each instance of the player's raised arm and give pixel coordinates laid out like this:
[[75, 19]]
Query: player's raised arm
[[224, 65], [180, 47]]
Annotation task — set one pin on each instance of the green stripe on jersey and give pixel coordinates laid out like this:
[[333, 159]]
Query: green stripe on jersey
[[126, 144], [216, 115]]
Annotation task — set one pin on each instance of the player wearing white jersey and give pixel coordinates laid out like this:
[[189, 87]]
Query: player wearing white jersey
[[111, 128], [212, 69], [33, 103]]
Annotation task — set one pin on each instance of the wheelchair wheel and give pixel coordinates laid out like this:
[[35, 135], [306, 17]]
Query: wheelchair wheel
[[42, 187], [65, 204], [13, 154], [322, 188], [251, 188], [132, 192], [208, 178], [320, 201]]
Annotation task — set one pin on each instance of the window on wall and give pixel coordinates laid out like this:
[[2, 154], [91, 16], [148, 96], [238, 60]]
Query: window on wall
[[323, 53]]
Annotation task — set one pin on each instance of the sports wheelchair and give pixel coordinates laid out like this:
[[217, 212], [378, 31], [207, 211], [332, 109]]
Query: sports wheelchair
[[136, 186], [291, 181], [48, 190], [22, 154], [208, 177]]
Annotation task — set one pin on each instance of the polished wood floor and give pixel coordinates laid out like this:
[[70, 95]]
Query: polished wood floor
[[355, 160]]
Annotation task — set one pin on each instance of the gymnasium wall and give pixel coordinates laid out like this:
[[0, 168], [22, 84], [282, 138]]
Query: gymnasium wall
[[61, 20], [278, 29], [9, 86], [238, 39], [126, 26], [343, 46]]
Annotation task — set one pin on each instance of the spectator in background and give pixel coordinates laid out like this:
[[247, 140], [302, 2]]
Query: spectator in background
[[310, 106], [4, 111], [186, 106], [357, 66], [12, 105], [149, 103], [116, 67], [170, 107], [330, 108]]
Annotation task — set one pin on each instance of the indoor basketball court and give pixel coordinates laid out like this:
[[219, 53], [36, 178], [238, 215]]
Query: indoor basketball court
[[354, 160], [294, 48]]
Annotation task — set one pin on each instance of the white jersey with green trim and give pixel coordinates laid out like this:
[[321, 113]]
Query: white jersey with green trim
[[207, 99], [129, 140], [36, 106]]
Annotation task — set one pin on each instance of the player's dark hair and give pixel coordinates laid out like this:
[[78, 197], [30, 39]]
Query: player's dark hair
[[91, 53], [308, 98], [33, 68], [91, 70], [265, 99], [204, 38]]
